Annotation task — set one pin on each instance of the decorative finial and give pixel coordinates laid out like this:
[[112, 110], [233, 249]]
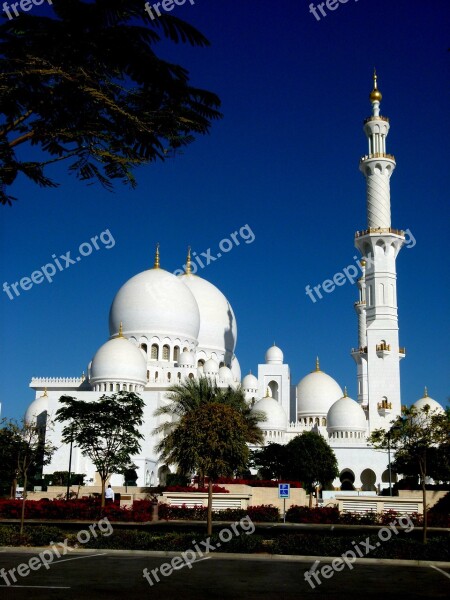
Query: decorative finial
[[345, 392], [317, 364], [83, 376], [156, 263], [44, 395], [188, 262], [363, 263], [375, 95], [121, 330], [267, 393], [425, 394]]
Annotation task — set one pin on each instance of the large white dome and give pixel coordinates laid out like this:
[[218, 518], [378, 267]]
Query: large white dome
[[118, 361], [346, 415], [316, 392], [155, 303], [276, 417], [218, 329]]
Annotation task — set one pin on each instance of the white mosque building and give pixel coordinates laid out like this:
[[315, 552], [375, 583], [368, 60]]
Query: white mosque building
[[165, 328]]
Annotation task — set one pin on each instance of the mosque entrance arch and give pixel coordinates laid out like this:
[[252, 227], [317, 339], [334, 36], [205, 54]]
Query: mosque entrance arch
[[347, 478], [368, 479], [385, 476]]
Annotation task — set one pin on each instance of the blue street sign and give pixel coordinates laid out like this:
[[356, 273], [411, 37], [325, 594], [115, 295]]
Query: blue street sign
[[284, 490]]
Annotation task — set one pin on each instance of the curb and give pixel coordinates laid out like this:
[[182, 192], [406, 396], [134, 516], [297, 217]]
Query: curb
[[231, 556]]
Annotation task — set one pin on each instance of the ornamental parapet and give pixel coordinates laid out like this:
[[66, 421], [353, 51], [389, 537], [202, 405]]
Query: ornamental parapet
[[377, 155], [379, 230], [48, 380], [373, 118], [384, 405], [360, 350]]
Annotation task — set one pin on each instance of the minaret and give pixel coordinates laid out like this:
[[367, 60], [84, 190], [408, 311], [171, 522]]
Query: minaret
[[378, 356]]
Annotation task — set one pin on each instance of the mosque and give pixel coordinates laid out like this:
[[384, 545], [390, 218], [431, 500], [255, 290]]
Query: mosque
[[164, 328]]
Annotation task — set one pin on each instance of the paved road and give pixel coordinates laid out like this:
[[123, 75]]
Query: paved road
[[120, 576]]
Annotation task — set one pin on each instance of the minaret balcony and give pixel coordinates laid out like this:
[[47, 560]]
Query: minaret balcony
[[402, 352], [383, 349], [384, 408], [378, 118], [379, 230], [360, 350], [377, 155]]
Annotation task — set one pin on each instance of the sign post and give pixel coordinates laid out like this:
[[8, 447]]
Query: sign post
[[284, 491]]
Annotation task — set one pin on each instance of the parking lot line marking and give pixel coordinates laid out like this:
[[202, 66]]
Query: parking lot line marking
[[440, 571]]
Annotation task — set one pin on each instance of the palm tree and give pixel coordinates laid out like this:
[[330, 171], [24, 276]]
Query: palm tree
[[85, 84], [207, 430]]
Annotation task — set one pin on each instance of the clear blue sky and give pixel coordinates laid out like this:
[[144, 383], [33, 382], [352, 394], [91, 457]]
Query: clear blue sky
[[283, 160]]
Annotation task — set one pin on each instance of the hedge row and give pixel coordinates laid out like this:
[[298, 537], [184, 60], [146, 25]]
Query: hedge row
[[258, 482], [85, 508], [265, 513], [330, 514], [399, 547]]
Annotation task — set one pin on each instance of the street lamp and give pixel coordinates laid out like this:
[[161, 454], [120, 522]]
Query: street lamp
[[395, 428]]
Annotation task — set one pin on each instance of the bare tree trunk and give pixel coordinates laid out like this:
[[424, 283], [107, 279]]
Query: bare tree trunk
[[424, 500], [22, 516], [13, 488], [209, 517]]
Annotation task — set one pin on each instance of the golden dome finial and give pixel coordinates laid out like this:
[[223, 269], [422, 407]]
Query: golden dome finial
[[425, 394], [156, 263], [121, 330], [345, 392], [267, 393], [375, 94], [188, 262], [44, 395], [317, 364]]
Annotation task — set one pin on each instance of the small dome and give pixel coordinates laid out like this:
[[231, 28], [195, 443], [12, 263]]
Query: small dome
[[118, 361], [211, 367], [186, 359], [36, 408], [225, 374], [346, 415], [250, 382], [435, 407], [274, 356], [276, 417], [316, 392]]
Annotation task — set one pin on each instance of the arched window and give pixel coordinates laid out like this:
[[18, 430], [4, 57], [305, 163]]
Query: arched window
[[169, 376], [176, 353], [125, 387], [148, 375], [155, 352], [200, 363], [111, 387], [117, 387], [324, 422], [166, 352], [185, 349], [191, 375], [144, 348], [156, 375], [179, 375], [273, 385]]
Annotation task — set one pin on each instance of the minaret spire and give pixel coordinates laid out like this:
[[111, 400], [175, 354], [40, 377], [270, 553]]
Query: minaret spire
[[188, 262], [156, 263]]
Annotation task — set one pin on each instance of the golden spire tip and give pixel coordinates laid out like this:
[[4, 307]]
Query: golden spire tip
[[317, 364], [121, 330], [156, 263], [188, 262], [425, 395], [345, 392]]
